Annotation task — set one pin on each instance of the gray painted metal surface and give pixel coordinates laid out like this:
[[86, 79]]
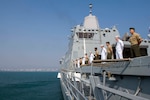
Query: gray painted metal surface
[[128, 80]]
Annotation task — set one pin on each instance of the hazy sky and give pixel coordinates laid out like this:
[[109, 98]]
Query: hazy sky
[[33, 33]]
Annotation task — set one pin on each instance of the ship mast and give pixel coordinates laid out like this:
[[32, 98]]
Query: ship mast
[[149, 30], [90, 6], [84, 44]]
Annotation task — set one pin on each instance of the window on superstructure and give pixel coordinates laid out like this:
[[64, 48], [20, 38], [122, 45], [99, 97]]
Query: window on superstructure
[[145, 41], [85, 35], [104, 35], [114, 30]]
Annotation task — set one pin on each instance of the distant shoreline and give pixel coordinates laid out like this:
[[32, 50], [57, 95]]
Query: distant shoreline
[[29, 71]]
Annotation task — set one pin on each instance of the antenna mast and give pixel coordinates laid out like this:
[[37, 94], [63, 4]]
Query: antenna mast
[[90, 6], [149, 30], [149, 33]]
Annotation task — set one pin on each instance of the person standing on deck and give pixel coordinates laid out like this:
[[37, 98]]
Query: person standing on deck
[[86, 59], [119, 48], [78, 63], [91, 57], [103, 52], [96, 54], [83, 60], [135, 41], [109, 50]]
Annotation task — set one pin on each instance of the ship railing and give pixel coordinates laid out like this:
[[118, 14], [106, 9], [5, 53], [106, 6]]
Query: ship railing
[[105, 62], [120, 93], [76, 88], [105, 91], [102, 91]]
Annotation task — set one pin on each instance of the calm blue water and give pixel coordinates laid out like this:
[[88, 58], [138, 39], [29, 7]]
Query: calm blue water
[[29, 86]]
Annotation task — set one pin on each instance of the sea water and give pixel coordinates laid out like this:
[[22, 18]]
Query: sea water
[[30, 86]]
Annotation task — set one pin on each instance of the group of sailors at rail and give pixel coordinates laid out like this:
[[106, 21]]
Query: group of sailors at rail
[[107, 53]]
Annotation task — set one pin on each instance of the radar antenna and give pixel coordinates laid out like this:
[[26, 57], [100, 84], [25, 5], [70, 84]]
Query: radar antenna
[[149, 33], [90, 6]]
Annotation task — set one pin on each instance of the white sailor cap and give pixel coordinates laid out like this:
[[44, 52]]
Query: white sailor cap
[[102, 45], [117, 36]]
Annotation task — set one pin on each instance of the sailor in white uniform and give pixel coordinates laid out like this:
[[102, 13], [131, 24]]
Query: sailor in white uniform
[[91, 57], [78, 63], [119, 48], [103, 52], [83, 61]]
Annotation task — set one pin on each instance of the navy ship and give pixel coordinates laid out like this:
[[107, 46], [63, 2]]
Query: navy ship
[[116, 79]]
